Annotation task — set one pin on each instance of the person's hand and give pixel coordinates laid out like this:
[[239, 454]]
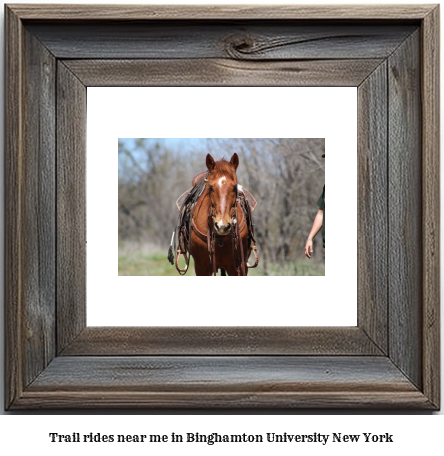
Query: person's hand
[[309, 248]]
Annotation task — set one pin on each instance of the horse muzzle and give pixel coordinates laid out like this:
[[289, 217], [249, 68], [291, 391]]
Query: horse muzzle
[[222, 229]]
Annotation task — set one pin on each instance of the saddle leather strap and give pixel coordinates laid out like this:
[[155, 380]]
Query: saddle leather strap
[[213, 249], [211, 242], [185, 226], [239, 239], [251, 239]]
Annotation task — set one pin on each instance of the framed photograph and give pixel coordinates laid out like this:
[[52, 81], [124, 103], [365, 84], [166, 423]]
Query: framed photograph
[[57, 54]]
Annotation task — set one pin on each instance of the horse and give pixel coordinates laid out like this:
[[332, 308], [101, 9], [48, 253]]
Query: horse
[[216, 226]]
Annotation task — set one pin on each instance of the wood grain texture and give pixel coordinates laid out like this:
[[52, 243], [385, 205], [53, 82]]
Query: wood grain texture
[[71, 206], [430, 93], [234, 382], [221, 72], [13, 209], [220, 12], [127, 341], [39, 207], [372, 207], [209, 373], [246, 401], [405, 209], [30, 209], [259, 40]]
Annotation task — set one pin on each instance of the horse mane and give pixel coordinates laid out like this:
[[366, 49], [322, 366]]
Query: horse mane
[[224, 167]]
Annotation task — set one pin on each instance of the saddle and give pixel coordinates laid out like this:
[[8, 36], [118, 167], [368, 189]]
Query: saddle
[[198, 179]]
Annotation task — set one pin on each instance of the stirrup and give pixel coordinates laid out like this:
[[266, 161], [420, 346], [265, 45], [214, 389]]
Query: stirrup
[[256, 257], [178, 253]]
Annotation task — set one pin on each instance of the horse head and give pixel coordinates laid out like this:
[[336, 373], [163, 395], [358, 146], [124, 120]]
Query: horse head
[[222, 190]]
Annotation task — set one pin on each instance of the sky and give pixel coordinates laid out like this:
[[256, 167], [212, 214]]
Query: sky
[[173, 143]]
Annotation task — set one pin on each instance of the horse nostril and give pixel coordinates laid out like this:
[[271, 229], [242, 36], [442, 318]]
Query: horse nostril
[[228, 226]]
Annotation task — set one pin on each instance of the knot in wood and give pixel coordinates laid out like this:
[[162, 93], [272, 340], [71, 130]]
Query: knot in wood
[[238, 46]]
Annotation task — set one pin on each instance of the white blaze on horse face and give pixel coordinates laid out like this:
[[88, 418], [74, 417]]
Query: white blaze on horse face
[[222, 216], [221, 182]]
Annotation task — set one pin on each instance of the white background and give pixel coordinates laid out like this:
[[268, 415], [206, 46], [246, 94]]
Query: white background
[[26, 434], [215, 112]]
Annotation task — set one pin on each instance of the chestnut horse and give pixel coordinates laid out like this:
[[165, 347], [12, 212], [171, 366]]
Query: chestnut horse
[[215, 216], [215, 223]]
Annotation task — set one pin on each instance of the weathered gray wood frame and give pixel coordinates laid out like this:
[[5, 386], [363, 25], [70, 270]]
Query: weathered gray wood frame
[[390, 360]]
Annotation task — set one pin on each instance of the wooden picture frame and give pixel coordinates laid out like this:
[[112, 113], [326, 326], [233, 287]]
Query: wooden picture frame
[[390, 360]]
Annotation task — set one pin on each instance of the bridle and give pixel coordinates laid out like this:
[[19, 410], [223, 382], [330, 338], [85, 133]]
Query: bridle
[[185, 227]]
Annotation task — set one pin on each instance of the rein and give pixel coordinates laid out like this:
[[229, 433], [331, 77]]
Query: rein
[[239, 239], [185, 227]]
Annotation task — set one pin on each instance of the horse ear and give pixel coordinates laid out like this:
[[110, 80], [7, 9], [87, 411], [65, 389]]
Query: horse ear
[[210, 163], [235, 160]]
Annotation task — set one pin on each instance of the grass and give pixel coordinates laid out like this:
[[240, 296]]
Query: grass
[[303, 267], [145, 260]]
